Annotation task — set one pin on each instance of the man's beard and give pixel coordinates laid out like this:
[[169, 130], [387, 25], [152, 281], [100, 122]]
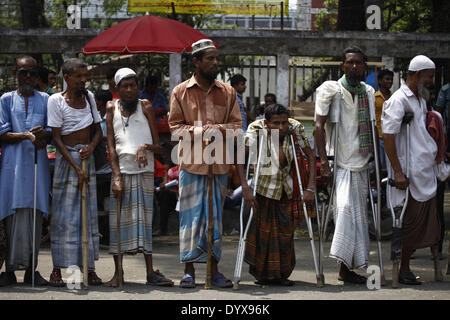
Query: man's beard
[[78, 92], [354, 79], [208, 75], [422, 90], [26, 89], [129, 105]]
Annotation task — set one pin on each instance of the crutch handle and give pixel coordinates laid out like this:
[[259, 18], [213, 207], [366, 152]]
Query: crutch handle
[[407, 117]]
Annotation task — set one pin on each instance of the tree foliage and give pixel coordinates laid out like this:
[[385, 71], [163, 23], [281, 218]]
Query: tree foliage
[[398, 15]]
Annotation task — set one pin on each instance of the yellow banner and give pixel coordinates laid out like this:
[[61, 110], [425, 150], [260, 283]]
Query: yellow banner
[[240, 7]]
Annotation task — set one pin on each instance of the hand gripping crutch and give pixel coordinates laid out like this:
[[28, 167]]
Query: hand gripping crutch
[[33, 263], [319, 277], [243, 233], [397, 215], [376, 207], [333, 119]]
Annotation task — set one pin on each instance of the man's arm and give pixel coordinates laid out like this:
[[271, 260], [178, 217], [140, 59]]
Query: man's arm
[[147, 108], [391, 150], [117, 187], [319, 137]]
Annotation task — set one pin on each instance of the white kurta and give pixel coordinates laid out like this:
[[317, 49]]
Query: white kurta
[[422, 164]]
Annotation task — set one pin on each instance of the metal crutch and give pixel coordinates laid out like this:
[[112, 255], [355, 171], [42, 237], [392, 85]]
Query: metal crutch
[[333, 119], [33, 263], [243, 235], [376, 207], [397, 215], [319, 277], [319, 216]]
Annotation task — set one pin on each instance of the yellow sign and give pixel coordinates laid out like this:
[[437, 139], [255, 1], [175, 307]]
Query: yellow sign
[[241, 7]]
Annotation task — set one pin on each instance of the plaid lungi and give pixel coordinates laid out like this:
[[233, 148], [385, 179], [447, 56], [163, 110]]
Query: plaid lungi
[[194, 208], [66, 223], [270, 240], [135, 215]]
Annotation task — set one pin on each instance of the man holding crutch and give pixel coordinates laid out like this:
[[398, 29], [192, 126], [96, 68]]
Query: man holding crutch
[[132, 140], [73, 116], [350, 245], [23, 128], [270, 243], [201, 106], [421, 227]]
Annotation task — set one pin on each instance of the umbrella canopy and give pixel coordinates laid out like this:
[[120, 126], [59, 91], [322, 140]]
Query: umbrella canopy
[[145, 34]]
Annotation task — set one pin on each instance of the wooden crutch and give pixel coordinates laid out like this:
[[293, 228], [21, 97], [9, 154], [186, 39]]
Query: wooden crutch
[[119, 247], [84, 226], [210, 226]]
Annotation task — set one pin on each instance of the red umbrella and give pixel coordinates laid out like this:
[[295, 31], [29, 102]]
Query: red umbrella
[[145, 34]]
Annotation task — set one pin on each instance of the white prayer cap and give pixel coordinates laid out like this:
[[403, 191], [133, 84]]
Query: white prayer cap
[[421, 62], [123, 73], [202, 44]]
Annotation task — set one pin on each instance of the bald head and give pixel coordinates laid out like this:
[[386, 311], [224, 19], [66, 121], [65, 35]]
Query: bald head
[[25, 60]]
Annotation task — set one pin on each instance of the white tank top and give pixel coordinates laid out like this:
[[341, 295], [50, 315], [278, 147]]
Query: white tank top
[[129, 134]]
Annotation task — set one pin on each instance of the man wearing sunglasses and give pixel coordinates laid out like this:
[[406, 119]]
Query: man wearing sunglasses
[[23, 129]]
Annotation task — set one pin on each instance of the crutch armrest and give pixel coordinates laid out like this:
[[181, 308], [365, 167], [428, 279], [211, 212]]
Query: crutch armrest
[[407, 117]]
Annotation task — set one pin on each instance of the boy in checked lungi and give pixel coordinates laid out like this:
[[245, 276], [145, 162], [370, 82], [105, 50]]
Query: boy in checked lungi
[[270, 243]]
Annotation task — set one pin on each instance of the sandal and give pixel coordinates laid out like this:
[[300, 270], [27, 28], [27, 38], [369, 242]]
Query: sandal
[[56, 279], [219, 280], [352, 277], [93, 279], [188, 281], [156, 278], [408, 278]]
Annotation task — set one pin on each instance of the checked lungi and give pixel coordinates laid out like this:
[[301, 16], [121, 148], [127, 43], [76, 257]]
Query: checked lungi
[[270, 242], [66, 223], [351, 242], [135, 215], [194, 208]]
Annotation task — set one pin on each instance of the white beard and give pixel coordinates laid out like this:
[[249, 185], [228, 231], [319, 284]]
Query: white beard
[[423, 92]]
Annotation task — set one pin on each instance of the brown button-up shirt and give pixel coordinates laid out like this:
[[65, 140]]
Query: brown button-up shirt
[[217, 106]]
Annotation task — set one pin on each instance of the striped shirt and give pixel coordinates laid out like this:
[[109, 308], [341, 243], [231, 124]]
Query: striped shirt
[[271, 184]]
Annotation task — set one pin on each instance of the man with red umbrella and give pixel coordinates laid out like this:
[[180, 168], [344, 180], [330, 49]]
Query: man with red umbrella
[[209, 106]]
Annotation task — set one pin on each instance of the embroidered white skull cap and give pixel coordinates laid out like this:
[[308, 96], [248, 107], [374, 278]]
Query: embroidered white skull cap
[[421, 62], [123, 73], [202, 44]]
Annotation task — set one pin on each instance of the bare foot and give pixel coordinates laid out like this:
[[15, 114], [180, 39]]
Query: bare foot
[[114, 282]]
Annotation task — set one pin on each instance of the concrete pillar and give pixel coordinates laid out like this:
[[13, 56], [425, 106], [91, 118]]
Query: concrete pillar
[[390, 65], [174, 71], [283, 79], [389, 62]]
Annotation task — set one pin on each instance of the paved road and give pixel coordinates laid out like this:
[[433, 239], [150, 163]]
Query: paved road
[[166, 259]]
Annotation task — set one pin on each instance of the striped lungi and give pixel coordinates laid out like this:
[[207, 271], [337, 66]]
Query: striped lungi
[[66, 224], [351, 242], [270, 242], [194, 209], [135, 215]]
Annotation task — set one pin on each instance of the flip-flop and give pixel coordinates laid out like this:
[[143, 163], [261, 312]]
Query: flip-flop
[[156, 278], [188, 281], [219, 280], [408, 278]]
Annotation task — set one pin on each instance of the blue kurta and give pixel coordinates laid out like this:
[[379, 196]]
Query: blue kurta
[[17, 160]]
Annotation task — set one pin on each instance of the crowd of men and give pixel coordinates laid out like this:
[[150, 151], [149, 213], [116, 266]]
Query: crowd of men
[[135, 126]]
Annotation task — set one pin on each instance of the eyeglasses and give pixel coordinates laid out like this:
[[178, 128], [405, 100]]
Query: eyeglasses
[[32, 72]]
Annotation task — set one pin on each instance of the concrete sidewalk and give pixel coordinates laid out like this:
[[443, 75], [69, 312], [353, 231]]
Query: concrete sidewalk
[[166, 259]]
